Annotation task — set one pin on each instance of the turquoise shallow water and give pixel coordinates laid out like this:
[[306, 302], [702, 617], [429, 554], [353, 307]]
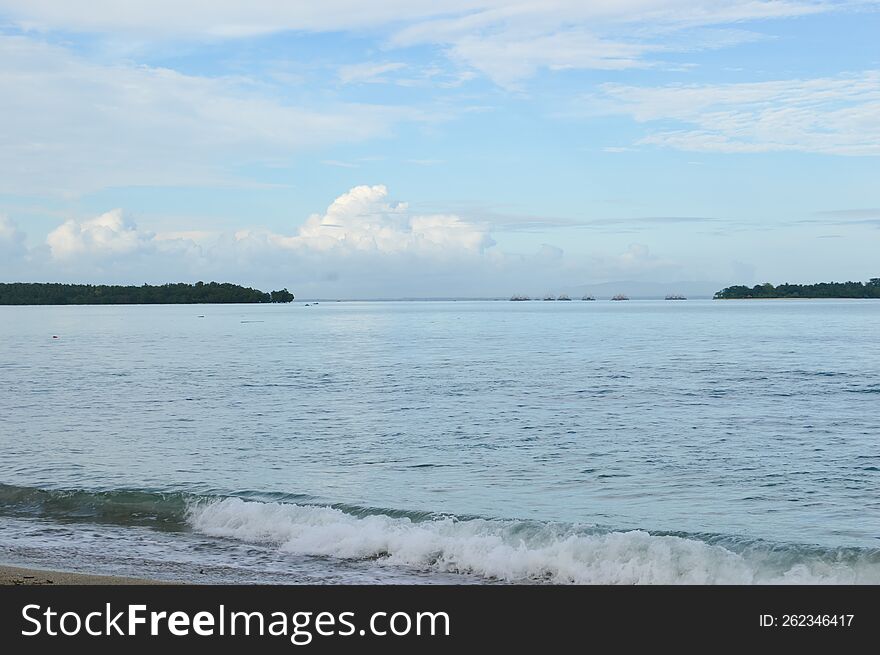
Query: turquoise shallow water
[[644, 441]]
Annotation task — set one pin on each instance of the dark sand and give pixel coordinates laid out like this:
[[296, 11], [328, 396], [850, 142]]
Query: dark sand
[[12, 575]]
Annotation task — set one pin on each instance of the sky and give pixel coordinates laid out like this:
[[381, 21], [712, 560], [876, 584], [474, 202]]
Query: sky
[[413, 148]]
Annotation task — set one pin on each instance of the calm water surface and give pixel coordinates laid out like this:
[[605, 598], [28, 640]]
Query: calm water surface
[[644, 441]]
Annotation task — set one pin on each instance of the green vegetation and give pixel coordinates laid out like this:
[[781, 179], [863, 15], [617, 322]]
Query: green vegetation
[[870, 289], [26, 293]]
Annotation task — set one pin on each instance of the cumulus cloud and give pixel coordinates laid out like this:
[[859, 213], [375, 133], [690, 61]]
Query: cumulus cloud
[[11, 238], [364, 239], [108, 235], [638, 257], [365, 244], [832, 115], [364, 220]]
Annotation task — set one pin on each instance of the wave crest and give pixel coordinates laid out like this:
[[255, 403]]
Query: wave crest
[[522, 551]]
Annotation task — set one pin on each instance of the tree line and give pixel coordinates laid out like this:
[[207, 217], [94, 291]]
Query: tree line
[[870, 289], [36, 293]]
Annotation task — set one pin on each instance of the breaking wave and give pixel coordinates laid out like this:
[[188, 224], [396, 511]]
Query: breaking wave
[[527, 551], [512, 551]]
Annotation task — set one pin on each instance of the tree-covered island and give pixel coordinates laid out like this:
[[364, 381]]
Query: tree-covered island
[[870, 289], [36, 293]]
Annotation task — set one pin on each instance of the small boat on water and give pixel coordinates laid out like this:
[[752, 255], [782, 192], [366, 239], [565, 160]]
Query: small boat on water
[[563, 297], [519, 298], [620, 296], [549, 297], [589, 298], [675, 296]]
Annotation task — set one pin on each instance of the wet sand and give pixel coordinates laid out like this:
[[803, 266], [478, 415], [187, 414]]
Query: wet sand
[[13, 575]]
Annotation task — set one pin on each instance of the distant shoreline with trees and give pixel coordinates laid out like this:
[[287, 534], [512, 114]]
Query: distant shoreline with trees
[[870, 289], [40, 293]]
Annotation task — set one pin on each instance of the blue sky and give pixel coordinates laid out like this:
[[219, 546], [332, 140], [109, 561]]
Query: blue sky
[[473, 147]]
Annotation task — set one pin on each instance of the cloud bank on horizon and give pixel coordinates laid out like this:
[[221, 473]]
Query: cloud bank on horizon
[[541, 146], [362, 230]]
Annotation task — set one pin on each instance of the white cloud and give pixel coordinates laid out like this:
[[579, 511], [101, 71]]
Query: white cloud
[[339, 164], [638, 258], [515, 52], [8, 230], [509, 56], [368, 72], [236, 18], [110, 234], [363, 245], [506, 39], [11, 238], [364, 220], [512, 41], [832, 115], [72, 126], [221, 18], [195, 236], [362, 231]]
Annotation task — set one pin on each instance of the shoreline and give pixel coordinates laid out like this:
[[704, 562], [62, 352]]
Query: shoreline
[[19, 576]]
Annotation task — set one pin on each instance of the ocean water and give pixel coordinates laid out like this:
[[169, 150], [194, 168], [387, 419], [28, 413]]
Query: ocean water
[[445, 442]]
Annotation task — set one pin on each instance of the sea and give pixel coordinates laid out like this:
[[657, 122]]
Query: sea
[[455, 442]]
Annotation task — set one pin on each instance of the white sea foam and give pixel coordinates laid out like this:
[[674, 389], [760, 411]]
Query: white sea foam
[[510, 550]]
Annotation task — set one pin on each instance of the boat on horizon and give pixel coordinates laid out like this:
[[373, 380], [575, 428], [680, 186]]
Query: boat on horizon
[[518, 298], [563, 297], [589, 298], [620, 296], [675, 296]]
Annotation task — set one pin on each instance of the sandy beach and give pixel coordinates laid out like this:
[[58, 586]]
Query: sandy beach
[[13, 575]]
